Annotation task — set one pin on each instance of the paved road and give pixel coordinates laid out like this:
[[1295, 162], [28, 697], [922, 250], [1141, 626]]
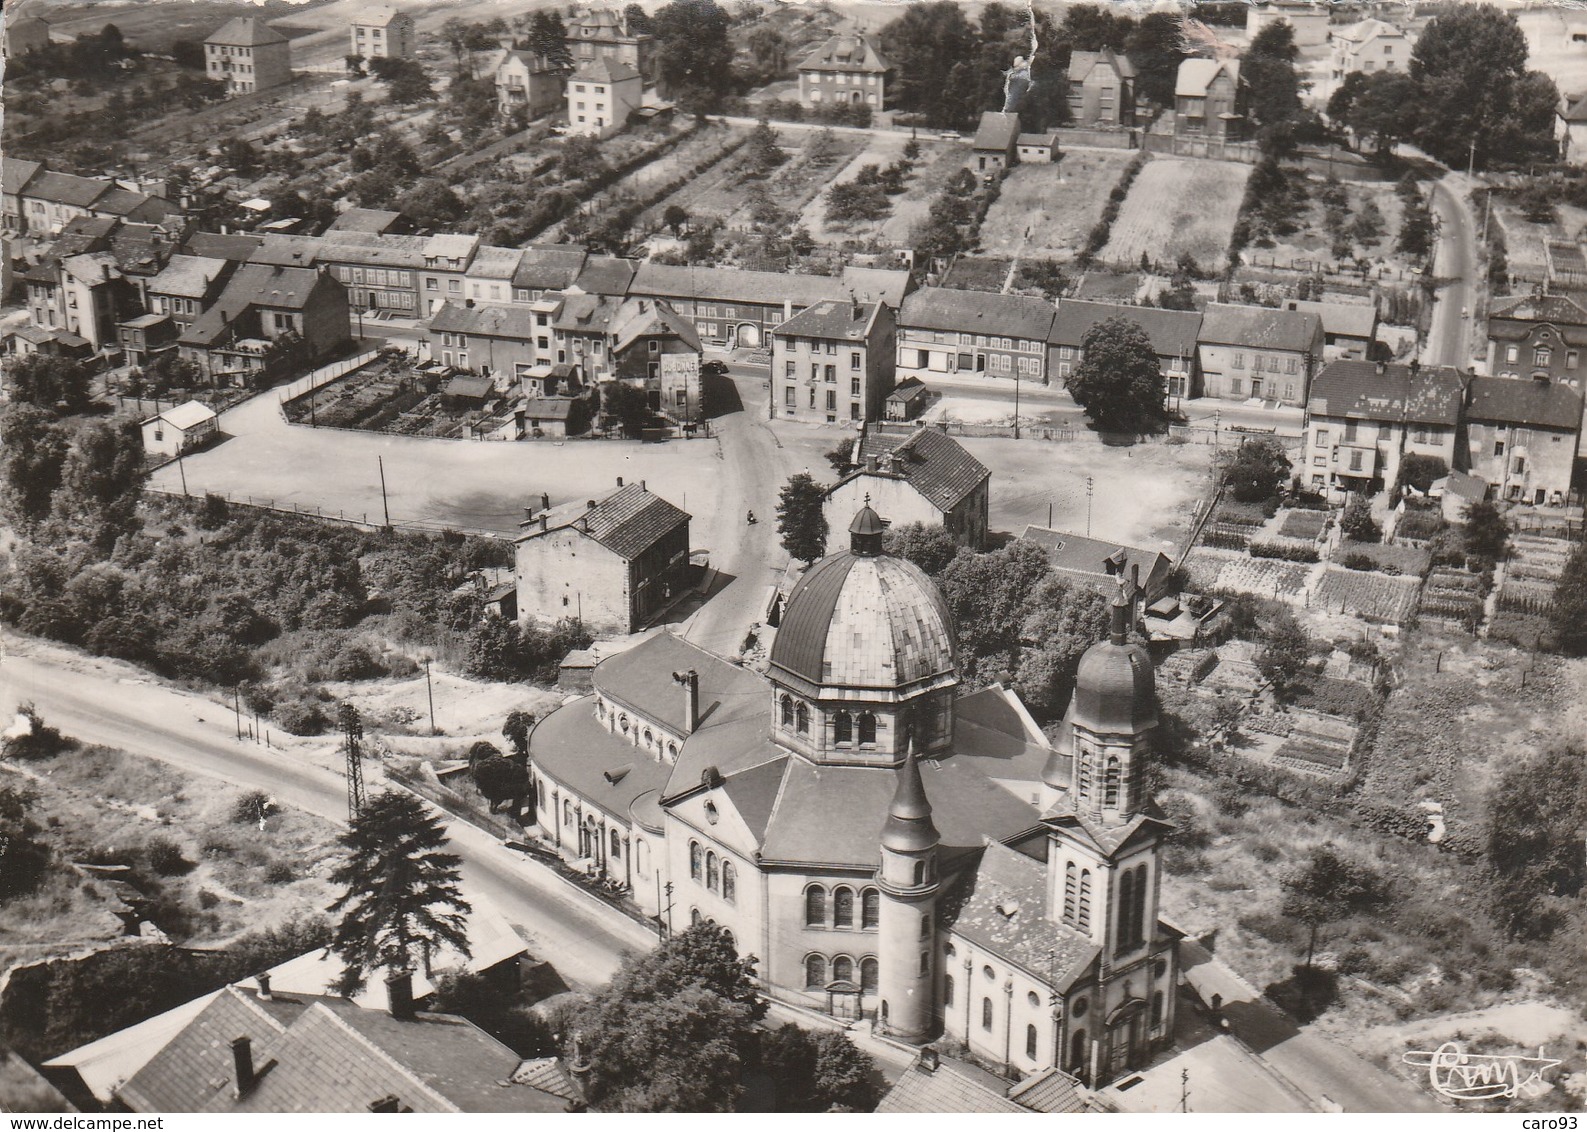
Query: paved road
[[1454, 265], [114, 705]]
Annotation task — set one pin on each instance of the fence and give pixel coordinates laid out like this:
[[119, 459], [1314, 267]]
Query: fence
[[1248, 152], [1098, 139], [363, 521], [324, 376]]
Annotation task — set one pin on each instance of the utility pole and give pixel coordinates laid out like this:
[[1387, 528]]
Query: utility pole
[[236, 707], [353, 730], [430, 692], [1184, 1090], [385, 505], [183, 471], [1088, 506], [668, 908], [1471, 162]]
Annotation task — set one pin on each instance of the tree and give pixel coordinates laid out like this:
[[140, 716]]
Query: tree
[[1357, 522], [1569, 613], [625, 407], [431, 203], [32, 454], [61, 385], [516, 731], [1065, 621], [817, 1071], [1381, 109], [1539, 810], [991, 595], [24, 856], [496, 1008], [1120, 383], [675, 216], [927, 43], [639, 21], [355, 65], [927, 545], [696, 55], [1268, 66], [1156, 48], [800, 519], [1327, 888], [402, 902], [1345, 95], [1487, 533], [1258, 470], [406, 82], [501, 780], [764, 152], [548, 38], [769, 48], [1284, 653], [1420, 471]]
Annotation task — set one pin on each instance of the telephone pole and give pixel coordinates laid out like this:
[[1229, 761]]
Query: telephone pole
[[385, 505]]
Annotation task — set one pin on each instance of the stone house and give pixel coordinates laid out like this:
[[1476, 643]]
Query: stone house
[[603, 33], [833, 361], [1101, 88], [924, 476], [1258, 353], [269, 321], [1369, 47], [248, 55], [974, 332], [1522, 437], [847, 69], [1364, 418], [1209, 100], [1349, 329], [495, 342], [381, 33], [1173, 336], [526, 81], [601, 94]]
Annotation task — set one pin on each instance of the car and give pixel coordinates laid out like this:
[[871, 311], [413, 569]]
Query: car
[[713, 368], [949, 135]]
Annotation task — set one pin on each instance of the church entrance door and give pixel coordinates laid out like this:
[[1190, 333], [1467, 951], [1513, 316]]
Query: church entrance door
[[843, 1001]]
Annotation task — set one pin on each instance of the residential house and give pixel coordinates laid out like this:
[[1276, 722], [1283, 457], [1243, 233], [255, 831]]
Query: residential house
[[974, 332], [1570, 129], [1173, 336], [50, 201], [581, 331], [545, 380], [496, 342], [180, 430], [656, 348], [607, 275], [546, 267], [371, 221], [1258, 353], [1522, 437], [1209, 100], [446, 261], [269, 321], [1349, 329], [248, 55], [526, 81], [84, 294], [1538, 336], [612, 564], [1097, 564], [741, 308], [144, 338], [382, 33], [601, 94], [602, 33], [849, 69], [490, 274], [28, 339], [995, 145], [1038, 149], [924, 476], [25, 33], [1364, 418], [1101, 88], [185, 288], [1309, 21], [1369, 47], [834, 361], [15, 174], [908, 400]]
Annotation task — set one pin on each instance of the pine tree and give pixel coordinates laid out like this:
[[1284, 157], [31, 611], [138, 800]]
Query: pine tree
[[402, 901], [800, 520]]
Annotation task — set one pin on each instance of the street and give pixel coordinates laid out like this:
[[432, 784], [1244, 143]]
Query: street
[[1449, 335]]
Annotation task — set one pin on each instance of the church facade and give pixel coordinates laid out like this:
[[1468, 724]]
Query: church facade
[[886, 845]]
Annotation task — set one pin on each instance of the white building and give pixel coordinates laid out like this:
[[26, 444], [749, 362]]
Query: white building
[[180, 430], [382, 33], [601, 94]]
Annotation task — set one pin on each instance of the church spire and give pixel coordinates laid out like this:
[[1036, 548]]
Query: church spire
[[865, 532], [1119, 610], [909, 828]]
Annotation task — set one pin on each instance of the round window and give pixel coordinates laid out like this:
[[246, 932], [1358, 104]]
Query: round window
[[989, 974], [1160, 968], [1032, 999], [1081, 1005]]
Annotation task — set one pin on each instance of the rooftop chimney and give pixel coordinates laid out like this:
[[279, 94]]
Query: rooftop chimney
[[106, 268], [545, 501], [263, 982], [242, 1060], [1379, 367], [1416, 366], [619, 484], [386, 1104], [543, 523], [691, 699], [399, 994], [870, 462], [469, 303]]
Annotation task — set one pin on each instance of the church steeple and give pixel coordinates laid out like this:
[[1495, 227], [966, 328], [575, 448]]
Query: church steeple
[[865, 532], [909, 828], [907, 923]]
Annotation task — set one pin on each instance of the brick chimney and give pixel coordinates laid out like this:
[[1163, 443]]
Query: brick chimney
[[399, 994], [242, 1061], [263, 982]]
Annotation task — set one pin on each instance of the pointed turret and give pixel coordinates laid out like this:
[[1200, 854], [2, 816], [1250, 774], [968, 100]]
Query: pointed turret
[[907, 923], [909, 828], [865, 532]]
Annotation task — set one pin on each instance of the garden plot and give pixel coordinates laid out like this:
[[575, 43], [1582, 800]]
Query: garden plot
[[1525, 243], [1179, 206], [937, 164], [1367, 594], [1057, 204], [1311, 246], [1232, 572]]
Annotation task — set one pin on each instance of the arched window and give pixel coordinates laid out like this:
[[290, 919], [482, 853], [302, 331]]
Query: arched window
[[801, 719], [947, 990], [641, 856], [1077, 1052], [1138, 921], [988, 974], [1071, 891], [842, 969], [842, 728], [622, 721], [870, 975], [925, 926], [787, 714], [843, 908], [920, 873], [986, 1013], [1110, 782], [695, 859], [1157, 1009], [1126, 909], [729, 882], [617, 846], [694, 917], [567, 812], [815, 971], [1083, 913], [731, 942], [672, 751], [870, 909], [1033, 999], [710, 871], [1030, 1042], [650, 740], [867, 729], [816, 906]]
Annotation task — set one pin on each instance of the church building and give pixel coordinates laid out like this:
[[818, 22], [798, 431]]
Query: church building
[[886, 845]]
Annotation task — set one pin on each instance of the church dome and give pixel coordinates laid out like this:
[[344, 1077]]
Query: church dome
[[862, 619], [1115, 690]]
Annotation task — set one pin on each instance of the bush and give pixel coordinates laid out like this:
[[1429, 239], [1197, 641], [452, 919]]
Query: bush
[[1357, 522], [1358, 561], [252, 808], [1285, 551], [165, 857], [279, 872], [301, 717], [40, 741]]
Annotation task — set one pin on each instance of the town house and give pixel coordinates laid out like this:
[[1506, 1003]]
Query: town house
[[1349, 329], [847, 69], [1522, 437], [1101, 88], [526, 81], [924, 476], [1258, 353], [446, 261], [248, 55], [1209, 100], [490, 274], [1364, 418], [269, 321], [186, 288], [380, 272], [495, 342], [974, 332], [15, 173], [1538, 336], [381, 33], [546, 267], [85, 295], [654, 347], [49, 201], [601, 94], [602, 33], [833, 361], [1173, 335], [1369, 47]]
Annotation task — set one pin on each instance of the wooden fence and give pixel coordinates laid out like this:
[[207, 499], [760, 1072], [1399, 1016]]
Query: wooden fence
[[361, 520], [323, 376]]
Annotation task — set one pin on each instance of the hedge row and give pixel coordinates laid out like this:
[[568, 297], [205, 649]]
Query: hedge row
[[1102, 230], [1287, 552]]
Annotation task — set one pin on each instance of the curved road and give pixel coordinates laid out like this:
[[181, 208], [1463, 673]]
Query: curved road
[[1454, 268]]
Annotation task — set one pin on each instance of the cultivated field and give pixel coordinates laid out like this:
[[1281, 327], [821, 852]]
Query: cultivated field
[[1179, 205], [1058, 203], [938, 162], [1312, 244]]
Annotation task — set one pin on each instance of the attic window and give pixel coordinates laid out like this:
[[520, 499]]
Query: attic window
[[711, 814], [1008, 908]]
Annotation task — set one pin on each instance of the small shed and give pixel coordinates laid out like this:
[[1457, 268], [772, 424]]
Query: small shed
[[996, 141], [467, 392], [547, 416], [908, 400], [1040, 149], [180, 430]]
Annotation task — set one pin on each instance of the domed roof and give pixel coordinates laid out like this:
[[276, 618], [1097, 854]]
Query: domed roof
[[867, 621], [1114, 689]]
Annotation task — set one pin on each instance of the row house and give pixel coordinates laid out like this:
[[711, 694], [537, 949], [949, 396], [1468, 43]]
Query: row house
[[526, 81], [1369, 47], [1259, 353], [381, 33], [185, 288], [248, 55], [447, 257], [85, 295], [604, 34], [608, 275], [543, 268], [834, 361], [497, 342], [734, 308], [1522, 437], [268, 321], [15, 174], [39, 202], [371, 221], [1349, 329], [1101, 88], [1364, 418], [380, 272], [1173, 335], [845, 70], [1210, 100], [974, 332], [490, 274], [1538, 336]]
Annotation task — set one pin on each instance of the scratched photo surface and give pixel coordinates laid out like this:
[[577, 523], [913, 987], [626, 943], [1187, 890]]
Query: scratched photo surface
[[892, 556]]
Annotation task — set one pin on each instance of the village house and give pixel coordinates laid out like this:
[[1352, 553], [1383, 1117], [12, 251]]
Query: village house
[[1522, 437], [495, 342], [547, 380], [268, 321], [1037, 149], [447, 257], [1538, 336], [51, 200], [601, 94], [1101, 88], [25, 33], [546, 267], [371, 221], [1258, 353], [974, 332], [908, 400], [612, 564], [1570, 129], [489, 276], [382, 33], [1173, 335], [848, 69], [1364, 418], [180, 430], [602, 33], [1209, 100], [526, 81], [833, 361], [553, 418], [581, 331], [1309, 21], [15, 174], [86, 295], [27, 339], [924, 476], [1349, 329], [1369, 47], [186, 287], [996, 142], [248, 55], [606, 275], [380, 272], [144, 338], [1098, 565], [654, 347]]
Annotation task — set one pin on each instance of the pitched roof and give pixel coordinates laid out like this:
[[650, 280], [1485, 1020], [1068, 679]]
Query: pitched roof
[[187, 414], [641, 677], [602, 70], [1082, 63], [1541, 404], [771, 288], [197, 1059], [929, 460], [997, 131], [950, 1087], [120, 202], [1357, 390], [1172, 333], [16, 172], [188, 276], [848, 53], [375, 17], [639, 318], [377, 220], [234, 246], [831, 319], [1576, 111], [245, 31], [1077, 554], [548, 408], [1051, 1090], [450, 245], [491, 262], [66, 188], [1354, 320], [1364, 30], [254, 285], [1259, 328], [1196, 75], [1561, 310], [549, 267], [605, 275], [467, 386], [627, 522], [604, 769], [877, 284], [516, 323], [907, 390], [978, 312]]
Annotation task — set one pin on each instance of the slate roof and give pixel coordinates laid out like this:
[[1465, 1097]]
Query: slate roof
[[1082, 63], [235, 246], [641, 678], [587, 313], [770, 288], [754, 792], [997, 131], [605, 275], [877, 284], [574, 748], [627, 522], [639, 318], [994, 734], [492, 262], [831, 318], [908, 390], [188, 276], [1577, 111], [1356, 390], [1539, 404], [1051, 1090], [1196, 75], [66, 188], [603, 70], [375, 17], [978, 312], [1172, 333], [472, 388], [245, 31], [196, 1063], [1353, 320], [1561, 310], [376, 220], [516, 323], [850, 54], [1259, 328], [1076, 554], [120, 202], [254, 285], [15, 173], [947, 1088], [549, 267], [548, 408], [930, 461]]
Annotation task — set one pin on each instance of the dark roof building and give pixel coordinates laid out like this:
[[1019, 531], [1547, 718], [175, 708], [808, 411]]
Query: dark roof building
[[549, 267], [1379, 391], [978, 312], [1259, 328], [245, 31], [515, 323], [1172, 333], [996, 132], [1531, 404], [374, 220], [1099, 564], [928, 459]]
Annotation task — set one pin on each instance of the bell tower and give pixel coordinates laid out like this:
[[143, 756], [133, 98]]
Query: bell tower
[[907, 925]]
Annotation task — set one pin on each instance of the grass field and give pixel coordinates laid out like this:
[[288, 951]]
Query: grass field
[[1179, 205], [1057, 203]]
